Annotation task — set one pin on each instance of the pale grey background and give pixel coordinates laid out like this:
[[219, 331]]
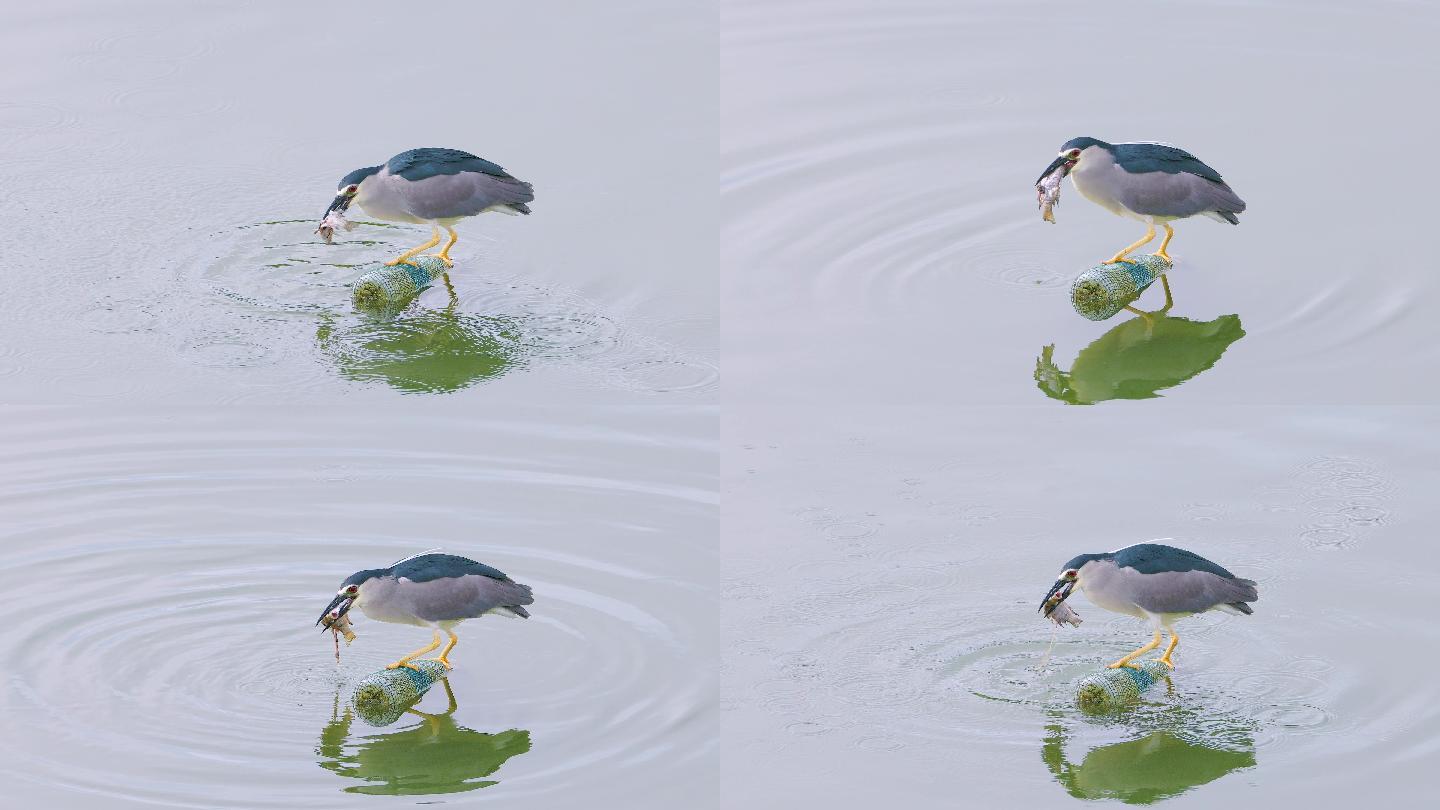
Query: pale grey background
[[201, 439], [899, 494]]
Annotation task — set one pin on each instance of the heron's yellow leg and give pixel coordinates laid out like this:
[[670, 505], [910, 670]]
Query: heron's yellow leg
[[405, 662], [1125, 662], [1120, 257], [1170, 648], [444, 656], [444, 254], [410, 254], [1165, 243]]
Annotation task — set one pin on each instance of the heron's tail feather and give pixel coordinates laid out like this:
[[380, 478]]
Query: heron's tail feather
[[1241, 607]]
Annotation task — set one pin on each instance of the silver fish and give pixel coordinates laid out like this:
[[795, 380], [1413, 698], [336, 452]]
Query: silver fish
[[338, 625], [1062, 615], [1047, 191], [333, 221]]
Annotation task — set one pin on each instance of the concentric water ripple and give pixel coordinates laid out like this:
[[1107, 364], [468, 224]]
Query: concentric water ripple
[[201, 660], [185, 635], [276, 283]]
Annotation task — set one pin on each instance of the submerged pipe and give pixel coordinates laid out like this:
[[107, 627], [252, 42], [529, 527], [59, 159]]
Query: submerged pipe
[[1111, 689], [381, 697], [389, 285], [1102, 291]]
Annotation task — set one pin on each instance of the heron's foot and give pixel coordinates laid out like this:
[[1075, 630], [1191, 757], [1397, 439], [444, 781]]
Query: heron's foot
[[446, 661], [1121, 664], [449, 262], [1165, 659], [403, 662], [1118, 257], [1166, 256]]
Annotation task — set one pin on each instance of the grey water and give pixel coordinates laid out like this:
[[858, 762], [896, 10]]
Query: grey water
[[919, 431], [201, 437]]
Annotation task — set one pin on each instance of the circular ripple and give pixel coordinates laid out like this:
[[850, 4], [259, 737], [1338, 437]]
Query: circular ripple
[[227, 351], [1018, 269], [667, 376], [1322, 537], [569, 335], [202, 658]]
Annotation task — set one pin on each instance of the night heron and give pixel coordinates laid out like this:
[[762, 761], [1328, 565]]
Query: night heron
[[1155, 582], [1151, 182], [435, 187], [437, 591]]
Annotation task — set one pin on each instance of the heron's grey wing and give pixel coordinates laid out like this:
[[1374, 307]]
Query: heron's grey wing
[[465, 597], [418, 164], [428, 566], [1186, 591], [1146, 157], [463, 195], [1177, 195], [1152, 558]]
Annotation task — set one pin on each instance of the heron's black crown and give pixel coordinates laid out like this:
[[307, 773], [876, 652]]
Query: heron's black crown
[[360, 576], [358, 175], [1081, 560], [1082, 142]]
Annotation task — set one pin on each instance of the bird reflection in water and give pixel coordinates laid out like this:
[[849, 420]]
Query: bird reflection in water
[[1158, 764], [421, 350], [436, 756], [1138, 358]]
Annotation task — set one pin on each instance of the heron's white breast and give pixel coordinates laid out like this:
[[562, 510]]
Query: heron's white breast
[[379, 600], [382, 198], [1097, 177], [1103, 586]]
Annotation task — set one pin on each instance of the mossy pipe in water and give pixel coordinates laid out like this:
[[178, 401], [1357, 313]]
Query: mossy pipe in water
[[387, 286], [1102, 291], [380, 698], [1111, 689]]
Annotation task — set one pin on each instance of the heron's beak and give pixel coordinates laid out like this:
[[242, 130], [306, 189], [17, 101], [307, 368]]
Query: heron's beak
[[338, 607], [1062, 163], [1058, 593], [341, 202]]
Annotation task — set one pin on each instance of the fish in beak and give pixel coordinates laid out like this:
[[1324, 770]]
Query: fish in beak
[[1062, 164], [337, 608], [335, 218], [1059, 592]]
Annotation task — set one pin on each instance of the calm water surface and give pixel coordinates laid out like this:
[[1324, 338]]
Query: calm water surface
[[202, 438], [919, 430]]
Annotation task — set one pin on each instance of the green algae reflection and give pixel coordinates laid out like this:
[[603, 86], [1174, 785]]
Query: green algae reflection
[[1157, 764], [420, 350], [437, 756], [1138, 359]]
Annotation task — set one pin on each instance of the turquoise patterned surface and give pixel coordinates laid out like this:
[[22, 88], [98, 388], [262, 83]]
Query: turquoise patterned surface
[[388, 285], [1102, 291], [1114, 688], [381, 697]]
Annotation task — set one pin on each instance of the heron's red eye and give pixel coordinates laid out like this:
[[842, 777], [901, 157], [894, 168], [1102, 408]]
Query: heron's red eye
[[352, 589], [1074, 153]]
